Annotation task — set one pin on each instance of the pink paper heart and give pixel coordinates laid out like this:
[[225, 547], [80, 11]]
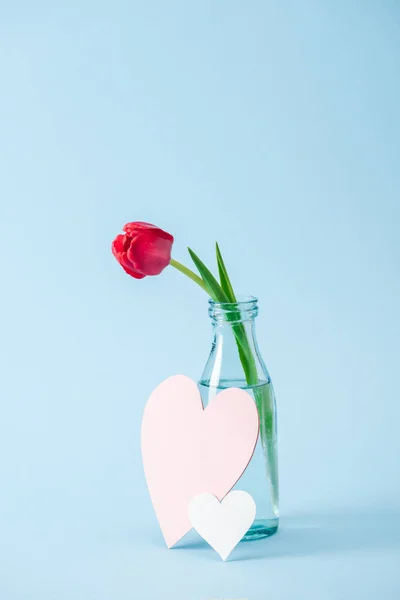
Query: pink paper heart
[[188, 450]]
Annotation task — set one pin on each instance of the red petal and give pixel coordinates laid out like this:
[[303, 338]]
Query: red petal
[[136, 227], [133, 273], [150, 252], [118, 245], [118, 249]]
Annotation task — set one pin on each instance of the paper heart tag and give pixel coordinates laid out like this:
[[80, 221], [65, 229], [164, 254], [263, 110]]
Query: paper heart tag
[[188, 450], [222, 524]]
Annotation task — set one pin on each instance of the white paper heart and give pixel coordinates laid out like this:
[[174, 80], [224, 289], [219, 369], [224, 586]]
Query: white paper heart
[[222, 524]]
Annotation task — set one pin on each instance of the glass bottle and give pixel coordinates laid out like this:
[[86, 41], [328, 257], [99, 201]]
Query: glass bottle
[[235, 361]]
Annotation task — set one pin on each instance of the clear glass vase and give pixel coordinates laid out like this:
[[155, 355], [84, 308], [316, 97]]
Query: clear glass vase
[[235, 361]]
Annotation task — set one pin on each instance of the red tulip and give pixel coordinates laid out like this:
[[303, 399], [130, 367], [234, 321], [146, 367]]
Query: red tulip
[[143, 250]]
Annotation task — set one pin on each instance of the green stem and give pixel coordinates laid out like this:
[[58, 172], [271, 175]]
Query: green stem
[[264, 397], [180, 267]]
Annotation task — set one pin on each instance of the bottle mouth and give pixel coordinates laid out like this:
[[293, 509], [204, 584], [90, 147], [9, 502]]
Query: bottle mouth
[[244, 309]]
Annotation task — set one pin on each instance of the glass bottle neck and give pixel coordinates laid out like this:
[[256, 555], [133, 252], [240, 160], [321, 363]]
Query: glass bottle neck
[[234, 360], [228, 330]]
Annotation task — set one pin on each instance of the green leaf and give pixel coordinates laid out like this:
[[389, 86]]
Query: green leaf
[[213, 287], [224, 277]]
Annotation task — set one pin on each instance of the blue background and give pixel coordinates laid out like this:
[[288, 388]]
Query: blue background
[[274, 128]]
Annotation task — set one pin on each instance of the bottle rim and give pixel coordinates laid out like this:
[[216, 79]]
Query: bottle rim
[[241, 301], [244, 309]]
